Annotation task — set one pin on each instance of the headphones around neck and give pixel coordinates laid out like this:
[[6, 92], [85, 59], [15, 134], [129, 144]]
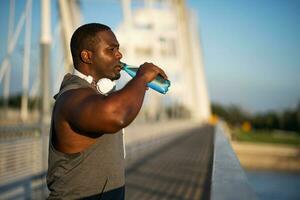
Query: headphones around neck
[[104, 85]]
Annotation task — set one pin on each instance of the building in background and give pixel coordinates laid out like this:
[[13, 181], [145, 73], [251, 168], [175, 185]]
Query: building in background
[[162, 32]]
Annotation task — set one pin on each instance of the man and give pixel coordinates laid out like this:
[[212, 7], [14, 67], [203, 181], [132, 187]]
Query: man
[[86, 158]]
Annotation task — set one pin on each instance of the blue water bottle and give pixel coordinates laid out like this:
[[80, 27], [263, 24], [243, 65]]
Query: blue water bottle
[[159, 84]]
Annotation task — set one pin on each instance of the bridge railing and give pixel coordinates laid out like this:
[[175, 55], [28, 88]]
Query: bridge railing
[[228, 179], [22, 164]]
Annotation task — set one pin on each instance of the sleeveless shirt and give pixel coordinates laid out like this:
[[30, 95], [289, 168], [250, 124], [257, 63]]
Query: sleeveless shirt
[[97, 169]]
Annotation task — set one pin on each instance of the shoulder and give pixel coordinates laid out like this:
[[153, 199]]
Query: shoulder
[[73, 98]]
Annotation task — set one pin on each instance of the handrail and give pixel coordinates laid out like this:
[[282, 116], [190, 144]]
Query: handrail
[[228, 181], [26, 184]]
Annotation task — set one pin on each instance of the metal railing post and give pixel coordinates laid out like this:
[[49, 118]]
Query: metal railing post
[[44, 77]]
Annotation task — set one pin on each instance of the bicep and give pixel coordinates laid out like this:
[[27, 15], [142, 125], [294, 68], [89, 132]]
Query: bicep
[[93, 114]]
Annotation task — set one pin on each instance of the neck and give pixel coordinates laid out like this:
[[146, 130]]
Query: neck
[[88, 78]]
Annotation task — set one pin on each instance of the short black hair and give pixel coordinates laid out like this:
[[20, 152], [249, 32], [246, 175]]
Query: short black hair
[[84, 37]]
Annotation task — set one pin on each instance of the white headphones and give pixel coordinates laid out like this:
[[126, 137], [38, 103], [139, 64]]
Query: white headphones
[[104, 85]]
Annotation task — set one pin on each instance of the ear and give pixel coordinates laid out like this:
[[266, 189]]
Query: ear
[[85, 56]]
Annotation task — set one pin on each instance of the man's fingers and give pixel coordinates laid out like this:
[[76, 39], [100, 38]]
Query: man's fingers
[[162, 73], [155, 70]]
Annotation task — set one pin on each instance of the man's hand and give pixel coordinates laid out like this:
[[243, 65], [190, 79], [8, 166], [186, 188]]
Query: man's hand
[[149, 72]]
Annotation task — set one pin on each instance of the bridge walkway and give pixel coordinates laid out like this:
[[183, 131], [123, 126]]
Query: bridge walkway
[[180, 169]]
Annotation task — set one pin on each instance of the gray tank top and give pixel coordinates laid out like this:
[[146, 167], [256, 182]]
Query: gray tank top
[[97, 169]]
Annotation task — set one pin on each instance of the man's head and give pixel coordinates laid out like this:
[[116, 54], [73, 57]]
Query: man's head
[[95, 51]]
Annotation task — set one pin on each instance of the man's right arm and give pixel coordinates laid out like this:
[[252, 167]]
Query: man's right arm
[[96, 114]]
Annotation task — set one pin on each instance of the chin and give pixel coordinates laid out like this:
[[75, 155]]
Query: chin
[[116, 77]]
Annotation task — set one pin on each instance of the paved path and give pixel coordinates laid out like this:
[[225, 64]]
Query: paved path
[[180, 169]]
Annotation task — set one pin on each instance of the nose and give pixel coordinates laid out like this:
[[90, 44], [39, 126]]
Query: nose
[[119, 55]]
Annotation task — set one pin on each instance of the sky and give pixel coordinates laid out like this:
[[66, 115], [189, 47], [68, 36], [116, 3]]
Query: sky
[[251, 49]]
